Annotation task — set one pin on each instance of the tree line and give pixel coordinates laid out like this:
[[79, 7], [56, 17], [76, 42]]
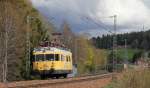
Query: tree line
[[135, 40]]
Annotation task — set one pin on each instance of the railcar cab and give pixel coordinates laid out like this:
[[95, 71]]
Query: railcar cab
[[52, 61]]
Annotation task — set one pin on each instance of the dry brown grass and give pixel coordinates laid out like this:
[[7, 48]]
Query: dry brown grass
[[134, 79]]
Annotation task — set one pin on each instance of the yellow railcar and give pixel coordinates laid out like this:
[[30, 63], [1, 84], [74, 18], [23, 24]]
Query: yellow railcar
[[51, 61]]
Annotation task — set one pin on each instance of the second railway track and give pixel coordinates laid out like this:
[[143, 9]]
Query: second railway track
[[43, 83]]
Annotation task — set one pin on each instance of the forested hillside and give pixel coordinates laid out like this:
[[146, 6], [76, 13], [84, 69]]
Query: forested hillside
[[13, 30], [139, 40]]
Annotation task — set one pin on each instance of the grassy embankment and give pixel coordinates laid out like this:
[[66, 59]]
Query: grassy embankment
[[132, 79]]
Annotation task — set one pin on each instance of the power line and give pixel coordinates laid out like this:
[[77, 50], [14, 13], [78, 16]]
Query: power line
[[99, 25], [104, 25]]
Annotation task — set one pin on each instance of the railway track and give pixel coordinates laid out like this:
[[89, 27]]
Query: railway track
[[53, 82]]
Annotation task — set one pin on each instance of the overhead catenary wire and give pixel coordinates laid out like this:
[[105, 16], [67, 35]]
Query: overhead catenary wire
[[103, 26]]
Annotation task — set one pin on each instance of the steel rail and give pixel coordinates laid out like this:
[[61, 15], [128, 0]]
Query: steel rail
[[43, 83]]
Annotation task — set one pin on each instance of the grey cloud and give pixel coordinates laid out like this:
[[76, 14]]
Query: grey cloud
[[131, 13]]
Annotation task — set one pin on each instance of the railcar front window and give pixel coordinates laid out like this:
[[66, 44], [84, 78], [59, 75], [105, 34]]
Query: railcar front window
[[50, 57], [40, 57], [34, 58], [57, 57], [69, 58]]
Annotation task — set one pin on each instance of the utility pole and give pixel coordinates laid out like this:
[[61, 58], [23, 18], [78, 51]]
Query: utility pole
[[126, 56], [143, 27], [126, 53], [5, 68], [76, 55], [114, 50], [28, 48], [114, 42], [75, 51], [145, 50]]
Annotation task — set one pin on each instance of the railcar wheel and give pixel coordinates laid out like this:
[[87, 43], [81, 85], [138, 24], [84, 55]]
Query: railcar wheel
[[57, 77], [65, 75], [43, 77]]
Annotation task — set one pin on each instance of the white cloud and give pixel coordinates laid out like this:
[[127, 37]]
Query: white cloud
[[131, 13], [128, 11]]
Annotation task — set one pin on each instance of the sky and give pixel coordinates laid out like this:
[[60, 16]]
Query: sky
[[95, 16]]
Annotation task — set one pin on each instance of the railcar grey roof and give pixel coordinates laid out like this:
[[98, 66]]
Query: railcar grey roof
[[54, 49]]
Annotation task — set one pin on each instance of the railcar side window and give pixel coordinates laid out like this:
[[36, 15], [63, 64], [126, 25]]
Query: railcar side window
[[49, 57], [40, 57], [62, 57], [67, 57], [57, 57]]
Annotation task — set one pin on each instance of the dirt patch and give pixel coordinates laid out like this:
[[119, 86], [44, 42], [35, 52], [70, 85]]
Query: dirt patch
[[2, 85], [98, 83]]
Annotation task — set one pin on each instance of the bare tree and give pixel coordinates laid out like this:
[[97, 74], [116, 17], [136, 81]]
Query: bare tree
[[10, 41]]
